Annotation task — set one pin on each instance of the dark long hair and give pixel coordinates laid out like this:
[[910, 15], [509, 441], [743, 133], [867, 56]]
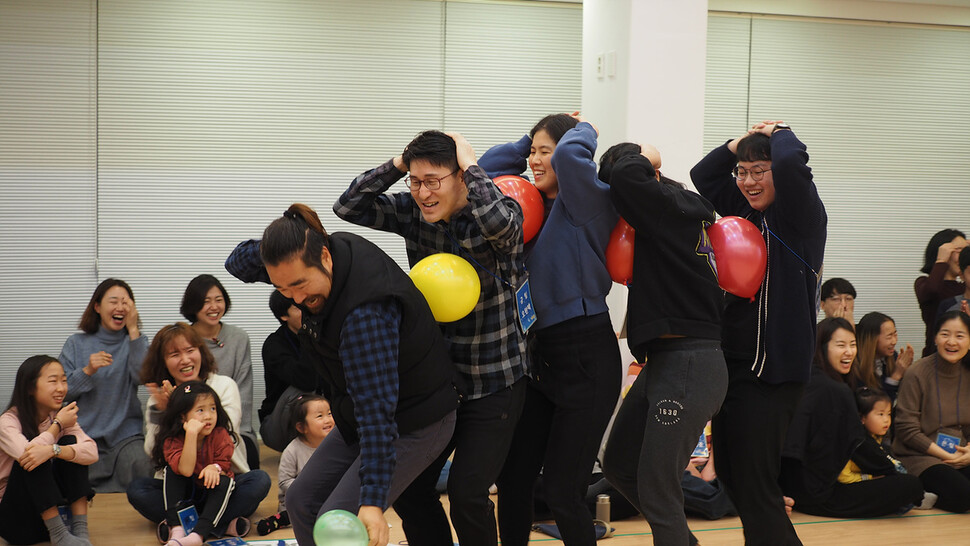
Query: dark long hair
[[297, 233], [933, 247], [867, 339], [154, 370], [24, 387], [181, 401], [90, 319], [826, 329]]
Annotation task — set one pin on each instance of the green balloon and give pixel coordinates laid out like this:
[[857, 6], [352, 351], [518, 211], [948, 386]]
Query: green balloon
[[339, 528]]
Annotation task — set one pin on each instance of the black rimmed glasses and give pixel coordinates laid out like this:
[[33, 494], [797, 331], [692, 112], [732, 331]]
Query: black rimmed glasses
[[756, 174], [430, 183]]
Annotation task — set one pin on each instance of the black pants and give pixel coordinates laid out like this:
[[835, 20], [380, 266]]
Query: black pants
[[950, 484], [54, 483], [867, 499], [749, 432], [575, 387], [483, 434], [209, 503]]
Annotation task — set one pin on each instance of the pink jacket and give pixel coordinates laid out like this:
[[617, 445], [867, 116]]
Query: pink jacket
[[13, 443]]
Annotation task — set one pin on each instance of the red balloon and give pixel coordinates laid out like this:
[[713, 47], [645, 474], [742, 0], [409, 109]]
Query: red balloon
[[740, 253], [529, 199], [619, 253]]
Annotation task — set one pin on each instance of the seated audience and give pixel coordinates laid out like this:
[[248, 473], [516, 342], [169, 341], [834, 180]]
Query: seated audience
[[204, 304], [44, 458], [178, 355], [931, 431], [102, 364], [942, 267], [838, 298], [826, 433], [879, 365]]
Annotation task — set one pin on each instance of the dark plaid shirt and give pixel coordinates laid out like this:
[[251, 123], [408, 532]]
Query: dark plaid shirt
[[487, 346], [369, 351]]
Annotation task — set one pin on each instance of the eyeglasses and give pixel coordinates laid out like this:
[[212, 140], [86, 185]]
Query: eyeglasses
[[431, 183], [756, 174]]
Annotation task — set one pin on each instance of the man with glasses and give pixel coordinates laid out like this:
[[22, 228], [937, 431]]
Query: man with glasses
[[838, 299], [768, 340], [452, 206]]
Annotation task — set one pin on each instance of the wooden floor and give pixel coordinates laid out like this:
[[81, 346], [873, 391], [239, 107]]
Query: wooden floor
[[113, 522]]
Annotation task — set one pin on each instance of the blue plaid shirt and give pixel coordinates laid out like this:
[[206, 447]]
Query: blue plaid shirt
[[369, 351], [487, 346]]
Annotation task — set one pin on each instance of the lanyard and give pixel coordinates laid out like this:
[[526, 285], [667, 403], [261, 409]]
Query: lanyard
[[939, 403], [812, 269]]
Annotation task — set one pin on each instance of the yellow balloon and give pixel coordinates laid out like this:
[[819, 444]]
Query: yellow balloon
[[449, 283]]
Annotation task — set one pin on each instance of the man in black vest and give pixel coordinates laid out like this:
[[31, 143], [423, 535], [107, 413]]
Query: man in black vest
[[385, 366]]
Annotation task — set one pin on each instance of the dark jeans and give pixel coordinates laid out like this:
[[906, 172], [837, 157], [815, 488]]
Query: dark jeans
[[210, 504], [657, 427], [145, 496], [950, 484], [54, 483], [749, 432], [569, 402], [868, 498], [483, 434]]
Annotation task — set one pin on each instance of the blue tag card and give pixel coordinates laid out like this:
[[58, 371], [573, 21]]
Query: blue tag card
[[231, 541], [527, 313], [700, 450], [65, 513], [947, 442], [189, 517]]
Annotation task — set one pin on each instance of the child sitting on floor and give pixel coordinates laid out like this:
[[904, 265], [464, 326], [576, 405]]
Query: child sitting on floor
[[312, 422], [194, 446]]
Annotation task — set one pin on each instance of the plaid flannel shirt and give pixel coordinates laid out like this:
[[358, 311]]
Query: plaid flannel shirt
[[487, 346]]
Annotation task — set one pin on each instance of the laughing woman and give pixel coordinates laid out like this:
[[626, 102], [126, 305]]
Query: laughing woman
[[103, 363], [178, 355], [43, 459], [931, 432], [204, 304]]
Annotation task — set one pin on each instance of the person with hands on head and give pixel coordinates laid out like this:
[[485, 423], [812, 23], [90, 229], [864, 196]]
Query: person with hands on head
[[941, 263], [372, 338], [685, 378], [576, 374], [177, 355], [960, 302], [931, 430], [454, 207], [768, 341], [44, 459], [102, 363]]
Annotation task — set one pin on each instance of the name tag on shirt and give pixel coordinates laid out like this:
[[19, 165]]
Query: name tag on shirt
[[527, 313], [947, 442], [189, 517]]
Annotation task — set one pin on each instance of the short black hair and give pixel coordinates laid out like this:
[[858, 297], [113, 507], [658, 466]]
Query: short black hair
[[279, 305], [555, 125], [866, 398], [194, 297], [434, 147], [754, 147], [836, 285]]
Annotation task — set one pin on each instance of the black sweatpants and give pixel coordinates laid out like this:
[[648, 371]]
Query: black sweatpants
[[950, 484], [575, 387], [867, 499], [209, 503], [749, 433], [54, 483]]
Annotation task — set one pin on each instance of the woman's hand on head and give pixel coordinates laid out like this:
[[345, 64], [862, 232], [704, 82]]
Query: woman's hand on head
[[579, 117], [67, 416], [97, 361], [946, 251], [35, 455]]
